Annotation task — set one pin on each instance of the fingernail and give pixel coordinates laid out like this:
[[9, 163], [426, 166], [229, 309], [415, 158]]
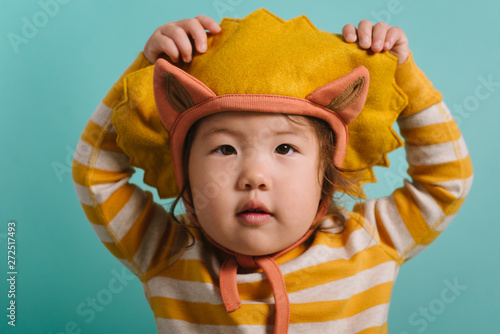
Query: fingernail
[[187, 59], [386, 44], [351, 37], [365, 41], [377, 44], [203, 48]]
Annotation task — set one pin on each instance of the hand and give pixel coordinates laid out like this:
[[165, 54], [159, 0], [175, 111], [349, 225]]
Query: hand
[[173, 39], [378, 37]]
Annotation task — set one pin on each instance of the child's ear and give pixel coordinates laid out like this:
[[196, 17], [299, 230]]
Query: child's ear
[[345, 96], [176, 91]]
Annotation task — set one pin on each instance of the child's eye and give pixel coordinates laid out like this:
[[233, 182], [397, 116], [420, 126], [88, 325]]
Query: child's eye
[[284, 149], [225, 150]]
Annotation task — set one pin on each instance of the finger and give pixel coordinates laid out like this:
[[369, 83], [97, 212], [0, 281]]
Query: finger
[[167, 45], [349, 33], [393, 35], [365, 29], [201, 38], [209, 24], [181, 40], [195, 29], [157, 44], [378, 36], [400, 48]]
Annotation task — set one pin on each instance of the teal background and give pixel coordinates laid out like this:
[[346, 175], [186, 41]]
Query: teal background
[[50, 87]]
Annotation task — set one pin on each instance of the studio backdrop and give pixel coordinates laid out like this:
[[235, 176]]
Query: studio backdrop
[[60, 57]]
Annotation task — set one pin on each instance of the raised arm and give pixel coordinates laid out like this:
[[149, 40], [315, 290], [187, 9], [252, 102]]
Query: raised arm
[[440, 167], [125, 218]]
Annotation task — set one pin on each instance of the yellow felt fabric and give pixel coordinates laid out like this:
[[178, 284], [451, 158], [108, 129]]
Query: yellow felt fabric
[[141, 134], [416, 86], [113, 96], [262, 54]]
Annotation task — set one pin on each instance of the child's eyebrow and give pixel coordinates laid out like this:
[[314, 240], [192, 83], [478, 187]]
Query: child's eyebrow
[[297, 134], [291, 133], [215, 131], [235, 133]]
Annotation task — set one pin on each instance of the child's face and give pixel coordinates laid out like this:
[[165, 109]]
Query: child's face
[[244, 161]]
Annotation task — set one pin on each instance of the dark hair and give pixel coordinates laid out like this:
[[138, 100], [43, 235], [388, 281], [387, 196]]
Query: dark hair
[[334, 178]]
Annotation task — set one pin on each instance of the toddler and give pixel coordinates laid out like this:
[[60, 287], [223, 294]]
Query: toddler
[[262, 247]]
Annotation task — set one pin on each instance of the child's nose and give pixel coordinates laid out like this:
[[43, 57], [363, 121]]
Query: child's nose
[[254, 175]]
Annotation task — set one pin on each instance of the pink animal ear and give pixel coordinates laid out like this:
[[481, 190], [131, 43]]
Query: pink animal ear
[[345, 96], [176, 91]]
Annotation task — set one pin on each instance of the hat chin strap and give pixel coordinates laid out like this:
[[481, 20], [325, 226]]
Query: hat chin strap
[[228, 272]]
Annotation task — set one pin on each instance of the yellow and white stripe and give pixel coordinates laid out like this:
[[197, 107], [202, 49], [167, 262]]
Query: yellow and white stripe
[[440, 167], [341, 283]]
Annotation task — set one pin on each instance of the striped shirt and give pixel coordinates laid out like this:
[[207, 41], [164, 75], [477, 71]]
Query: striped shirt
[[337, 282]]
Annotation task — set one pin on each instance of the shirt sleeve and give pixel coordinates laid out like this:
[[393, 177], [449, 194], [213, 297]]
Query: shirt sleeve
[[439, 167], [135, 229]]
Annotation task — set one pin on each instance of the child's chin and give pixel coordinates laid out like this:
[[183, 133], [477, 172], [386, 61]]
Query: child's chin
[[256, 251]]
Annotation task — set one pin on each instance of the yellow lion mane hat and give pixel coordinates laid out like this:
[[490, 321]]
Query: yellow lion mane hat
[[263, 54]]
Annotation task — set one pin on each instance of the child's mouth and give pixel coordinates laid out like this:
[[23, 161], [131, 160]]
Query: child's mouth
[[254, 214], [254, 217], [255, 210]]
